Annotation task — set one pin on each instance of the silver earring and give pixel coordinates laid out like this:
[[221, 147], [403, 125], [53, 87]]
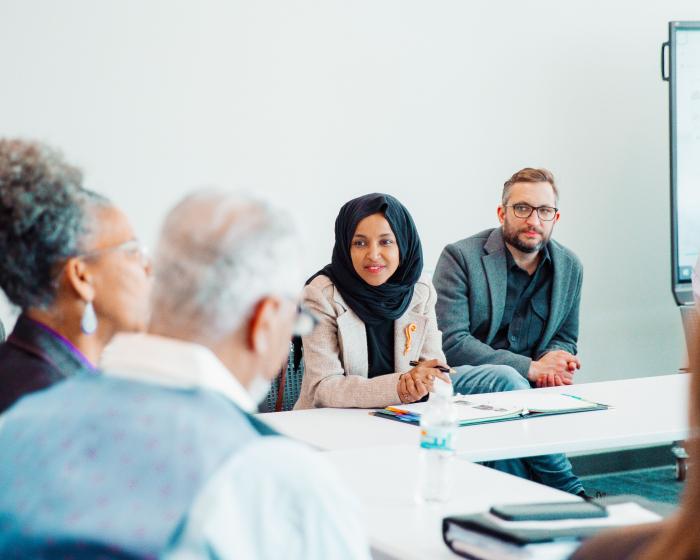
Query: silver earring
[[88, 323]]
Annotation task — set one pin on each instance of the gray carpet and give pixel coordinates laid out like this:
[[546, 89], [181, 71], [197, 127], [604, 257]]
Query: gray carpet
[[657, 484]]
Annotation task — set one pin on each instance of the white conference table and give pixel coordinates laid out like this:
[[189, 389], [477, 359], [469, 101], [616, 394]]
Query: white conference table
[[645, 411], [384, 480]]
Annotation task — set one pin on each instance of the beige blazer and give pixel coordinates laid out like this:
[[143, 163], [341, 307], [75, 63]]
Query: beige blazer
[[335, 354]]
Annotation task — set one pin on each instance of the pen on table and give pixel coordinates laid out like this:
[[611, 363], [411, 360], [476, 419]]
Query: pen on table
[[443, 369], [586, 400]]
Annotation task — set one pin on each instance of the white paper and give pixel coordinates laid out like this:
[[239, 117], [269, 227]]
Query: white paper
[[532, 400]]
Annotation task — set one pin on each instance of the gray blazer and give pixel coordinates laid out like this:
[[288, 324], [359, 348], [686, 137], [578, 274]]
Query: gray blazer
[[471, 280], [335, 354]]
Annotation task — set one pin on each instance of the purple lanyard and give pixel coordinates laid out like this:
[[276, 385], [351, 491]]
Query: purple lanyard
[[67, 343]]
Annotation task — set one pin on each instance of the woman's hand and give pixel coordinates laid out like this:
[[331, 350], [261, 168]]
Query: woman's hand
[[418, 382]]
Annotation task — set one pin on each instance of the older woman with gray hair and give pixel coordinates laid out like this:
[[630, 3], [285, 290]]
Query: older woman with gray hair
[[71, 263]]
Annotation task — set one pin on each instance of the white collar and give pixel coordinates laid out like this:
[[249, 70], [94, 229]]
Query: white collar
[[172, 362]]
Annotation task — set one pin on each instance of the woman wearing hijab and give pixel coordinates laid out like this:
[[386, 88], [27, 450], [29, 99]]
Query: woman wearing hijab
[[376, 311], [377, 315], [70, 262]]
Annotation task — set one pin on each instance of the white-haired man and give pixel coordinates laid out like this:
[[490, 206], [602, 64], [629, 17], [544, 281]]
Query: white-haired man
[[162, 458]]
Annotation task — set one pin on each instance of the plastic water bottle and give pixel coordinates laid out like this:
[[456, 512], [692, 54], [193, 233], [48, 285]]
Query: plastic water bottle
[[438, 432]]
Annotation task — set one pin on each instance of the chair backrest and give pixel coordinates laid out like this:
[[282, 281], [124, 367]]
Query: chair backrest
[[691, 326], [290, 380]]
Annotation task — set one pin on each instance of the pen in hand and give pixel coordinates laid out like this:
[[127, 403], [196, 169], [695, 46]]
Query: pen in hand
[[414, 363]]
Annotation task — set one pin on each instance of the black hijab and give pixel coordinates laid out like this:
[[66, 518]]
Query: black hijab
[[375, 304]]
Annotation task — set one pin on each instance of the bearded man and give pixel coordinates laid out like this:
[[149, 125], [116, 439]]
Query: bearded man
[[510, 296]]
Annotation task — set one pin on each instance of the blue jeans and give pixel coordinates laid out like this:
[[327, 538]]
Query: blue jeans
[[552, 470]]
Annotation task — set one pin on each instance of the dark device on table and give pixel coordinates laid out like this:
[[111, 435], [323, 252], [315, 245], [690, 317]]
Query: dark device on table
[[549, 511]]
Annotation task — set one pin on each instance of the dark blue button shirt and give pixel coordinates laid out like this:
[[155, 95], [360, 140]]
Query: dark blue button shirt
[[527, 306]]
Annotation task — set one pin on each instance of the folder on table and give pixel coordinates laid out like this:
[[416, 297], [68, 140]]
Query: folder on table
[[497, 407]]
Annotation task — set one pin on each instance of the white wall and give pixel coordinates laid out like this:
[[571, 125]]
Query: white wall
[[435, 101]]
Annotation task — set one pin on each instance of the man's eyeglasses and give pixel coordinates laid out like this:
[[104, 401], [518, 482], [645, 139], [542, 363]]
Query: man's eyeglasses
[[544, 213], [132, 247]]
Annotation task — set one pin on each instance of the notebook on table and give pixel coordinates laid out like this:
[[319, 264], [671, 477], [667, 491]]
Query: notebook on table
[[497, 407], [484, 536]]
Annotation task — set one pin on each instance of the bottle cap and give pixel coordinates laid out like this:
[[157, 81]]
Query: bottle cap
[[442, 388]]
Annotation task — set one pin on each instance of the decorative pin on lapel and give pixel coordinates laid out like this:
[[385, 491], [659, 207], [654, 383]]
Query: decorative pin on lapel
[[408, 331]]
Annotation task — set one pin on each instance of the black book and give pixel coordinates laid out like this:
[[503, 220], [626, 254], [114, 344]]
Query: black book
[[485, 536]]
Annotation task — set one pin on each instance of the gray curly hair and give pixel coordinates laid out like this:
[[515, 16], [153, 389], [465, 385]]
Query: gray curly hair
[[45, 216]]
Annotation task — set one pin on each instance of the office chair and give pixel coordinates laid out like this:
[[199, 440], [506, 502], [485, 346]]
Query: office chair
[[286, 387]]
